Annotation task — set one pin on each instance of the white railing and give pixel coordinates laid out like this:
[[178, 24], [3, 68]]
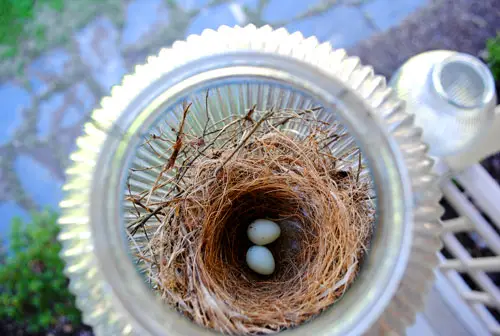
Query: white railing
[[470, 276]]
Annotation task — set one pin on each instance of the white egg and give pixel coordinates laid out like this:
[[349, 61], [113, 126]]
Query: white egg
[[263, 231], [260, 260]]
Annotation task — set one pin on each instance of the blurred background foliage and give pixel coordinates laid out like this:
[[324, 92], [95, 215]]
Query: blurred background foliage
[[34, 292], [493, 58], [14, 15]]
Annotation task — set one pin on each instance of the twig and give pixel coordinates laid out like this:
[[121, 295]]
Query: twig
[[146, 168], [143, 258], [359, 165], [332, 139], [143, 220], [138, 202], [248, 116], [245, 139], [301, 113], [177, 147], [178, 140], [208, 115], [130, 194], [148, 142]]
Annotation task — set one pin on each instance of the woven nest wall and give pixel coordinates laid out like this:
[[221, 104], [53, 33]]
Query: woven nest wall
[[205, 173]]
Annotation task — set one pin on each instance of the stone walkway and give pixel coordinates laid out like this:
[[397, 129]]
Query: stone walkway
[[49, 91], [461, 25]]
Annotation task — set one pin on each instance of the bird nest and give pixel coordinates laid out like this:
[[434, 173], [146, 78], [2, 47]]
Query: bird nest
[[188, 226]]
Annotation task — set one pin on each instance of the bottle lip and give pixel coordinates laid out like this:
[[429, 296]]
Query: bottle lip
[[468, 72]]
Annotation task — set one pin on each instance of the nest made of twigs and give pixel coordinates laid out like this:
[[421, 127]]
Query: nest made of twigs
[[212, 186]]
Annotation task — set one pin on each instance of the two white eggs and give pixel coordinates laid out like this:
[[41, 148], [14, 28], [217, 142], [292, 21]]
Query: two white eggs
[[259, 258]]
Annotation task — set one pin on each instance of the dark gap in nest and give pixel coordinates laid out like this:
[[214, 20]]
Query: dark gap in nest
[[286, 249]]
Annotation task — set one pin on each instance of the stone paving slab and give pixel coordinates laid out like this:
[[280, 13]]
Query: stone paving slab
[[14, 98], [211, 18], [385, 14], [142, 18], [98, 48], [279, 10], [45, 106], [341, 26]]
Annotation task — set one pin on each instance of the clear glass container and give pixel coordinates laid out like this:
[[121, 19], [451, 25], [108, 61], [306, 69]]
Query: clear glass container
[[242, 67]]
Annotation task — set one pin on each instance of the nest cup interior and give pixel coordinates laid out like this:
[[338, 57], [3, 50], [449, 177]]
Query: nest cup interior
[[217, 160], [230, 235]]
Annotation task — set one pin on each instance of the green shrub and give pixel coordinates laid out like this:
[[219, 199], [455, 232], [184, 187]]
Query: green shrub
[[33, 289], [493, 46]]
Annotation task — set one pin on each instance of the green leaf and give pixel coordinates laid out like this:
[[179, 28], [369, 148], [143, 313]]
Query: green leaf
[[58, 283], [9, 52], [4, 300], [46, 319], [32, 328], [11, 312], [36, 301], [60, 308], [493, 47], [35, 285], [23, 8], [57, 4]]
